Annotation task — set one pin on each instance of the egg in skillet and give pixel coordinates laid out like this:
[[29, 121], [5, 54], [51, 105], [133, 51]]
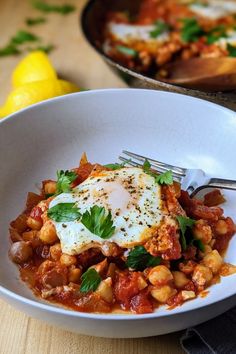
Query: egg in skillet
[[133, 199]]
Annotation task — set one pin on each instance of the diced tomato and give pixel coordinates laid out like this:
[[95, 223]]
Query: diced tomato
[[126, 287], [141, 303], [174, 252], [175, 300], [92, 302], [82, 172], [214, 198], [36, 213], [197, 210]]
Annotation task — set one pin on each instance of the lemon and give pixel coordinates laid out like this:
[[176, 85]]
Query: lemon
[[35, 66], [34, 92]]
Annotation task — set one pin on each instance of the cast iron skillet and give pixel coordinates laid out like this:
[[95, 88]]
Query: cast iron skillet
[[92, 22]]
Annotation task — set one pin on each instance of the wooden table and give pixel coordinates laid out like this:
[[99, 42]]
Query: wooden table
[[74, 60]]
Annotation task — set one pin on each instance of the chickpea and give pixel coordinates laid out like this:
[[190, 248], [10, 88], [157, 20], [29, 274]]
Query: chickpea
[[74, 275], [202, 231], [142, 284], [48, 233], [202, 275], [160, 275], [20, 252], [221, 227], [55, 251], [105, 290], [163, 293], [34, 224], [188, 295], [68, 260], [213, 260], [50, 187], [30, 235], [180, 279]]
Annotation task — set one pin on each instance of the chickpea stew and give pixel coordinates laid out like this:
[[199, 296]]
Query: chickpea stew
[[113, 238], [165, 31]]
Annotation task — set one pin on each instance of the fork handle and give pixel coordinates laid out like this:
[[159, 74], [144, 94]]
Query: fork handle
[[222, 183]]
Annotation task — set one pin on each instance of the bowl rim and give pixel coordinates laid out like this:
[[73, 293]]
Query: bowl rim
[[113, 90], [96, 316], [163, 85]]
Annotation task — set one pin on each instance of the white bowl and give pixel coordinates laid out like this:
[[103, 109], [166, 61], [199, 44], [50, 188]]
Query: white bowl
[[39, 140]]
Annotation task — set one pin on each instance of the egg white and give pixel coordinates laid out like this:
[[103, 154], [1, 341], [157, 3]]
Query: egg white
[[132, 196], [214, 9], [126, 32]]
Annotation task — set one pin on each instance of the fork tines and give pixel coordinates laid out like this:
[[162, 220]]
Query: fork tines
[[138, 160]]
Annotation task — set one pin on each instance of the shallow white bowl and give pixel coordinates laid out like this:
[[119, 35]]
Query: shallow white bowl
[[39, 140]]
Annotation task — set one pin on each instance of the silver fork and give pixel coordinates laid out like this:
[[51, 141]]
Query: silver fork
[[192, 180]]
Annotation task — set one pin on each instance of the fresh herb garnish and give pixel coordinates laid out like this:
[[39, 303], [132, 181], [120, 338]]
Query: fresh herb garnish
[[191, 30], [44, 48], [63, 9], [116, 166], [160, 27], [232, 50], [163, 178], [63, 212], [199, 244], [90, 281], [9, 49], [23, 37], [127, 51], [139, 259], [184, 223], [35, 21], [216, 33], [146, 166], [64, 180], [99, 222]]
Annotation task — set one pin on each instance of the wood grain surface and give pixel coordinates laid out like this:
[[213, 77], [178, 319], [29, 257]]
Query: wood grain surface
[[74, 60]]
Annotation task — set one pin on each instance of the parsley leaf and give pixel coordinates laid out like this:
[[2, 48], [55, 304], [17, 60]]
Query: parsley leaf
[[90, 281], [64, 179], [62, 9], [116, 166], [44, 48], [23, 37], [127, 51], [146, 166], [232, 50], [139, 259], [98, 222], [199, 244], [163, 178], [64, 212], [9, 49], [184, 223], [216, 33], [35, 21], [191, 30], [160, 27]]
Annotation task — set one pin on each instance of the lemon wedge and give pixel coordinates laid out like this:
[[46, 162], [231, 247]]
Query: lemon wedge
[[36, 66], [34, 92]]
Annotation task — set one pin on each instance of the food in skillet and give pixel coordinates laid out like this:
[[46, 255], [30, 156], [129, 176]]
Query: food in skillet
[[112, 238], [168, 30]]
